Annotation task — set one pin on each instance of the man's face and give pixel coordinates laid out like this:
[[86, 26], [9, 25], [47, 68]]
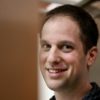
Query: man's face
[[62, 59]]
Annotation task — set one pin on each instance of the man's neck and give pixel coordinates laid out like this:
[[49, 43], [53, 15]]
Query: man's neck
[[76, 94]]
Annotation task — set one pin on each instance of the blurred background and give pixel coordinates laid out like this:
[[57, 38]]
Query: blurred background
[[93, 7], [18, 49]]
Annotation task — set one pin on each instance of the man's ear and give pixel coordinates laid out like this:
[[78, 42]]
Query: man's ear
[[92, 55]]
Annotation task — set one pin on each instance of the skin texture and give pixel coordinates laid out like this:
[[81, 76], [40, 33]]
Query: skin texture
[[63, 63]]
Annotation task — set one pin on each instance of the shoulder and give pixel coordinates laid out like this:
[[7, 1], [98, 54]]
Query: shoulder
[[94, 93]]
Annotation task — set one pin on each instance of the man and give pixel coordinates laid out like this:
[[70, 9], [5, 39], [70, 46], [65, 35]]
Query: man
[[68, 48]]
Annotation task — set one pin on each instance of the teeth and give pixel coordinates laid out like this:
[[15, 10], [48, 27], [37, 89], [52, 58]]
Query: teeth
[[53, 71], [56, 70]]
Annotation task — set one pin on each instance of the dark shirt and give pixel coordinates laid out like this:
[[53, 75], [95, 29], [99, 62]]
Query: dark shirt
[[94, 93]]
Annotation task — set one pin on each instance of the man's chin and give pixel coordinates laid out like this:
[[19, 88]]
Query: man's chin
[[54, 87]]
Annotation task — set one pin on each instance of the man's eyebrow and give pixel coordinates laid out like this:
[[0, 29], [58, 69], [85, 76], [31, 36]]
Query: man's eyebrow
[[43, 41], [59, 43], [65, 42]]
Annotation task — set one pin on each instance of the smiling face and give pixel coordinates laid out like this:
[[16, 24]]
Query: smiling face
[[63, 62]]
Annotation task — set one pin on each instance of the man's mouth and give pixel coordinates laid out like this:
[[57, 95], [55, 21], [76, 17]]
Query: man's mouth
[[56, 70], [56, 73]]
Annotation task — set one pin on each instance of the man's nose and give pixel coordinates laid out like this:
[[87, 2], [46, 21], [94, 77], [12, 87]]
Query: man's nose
[[54, 56]]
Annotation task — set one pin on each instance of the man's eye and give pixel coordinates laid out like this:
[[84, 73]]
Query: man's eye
[[45, 47], [66, 48]]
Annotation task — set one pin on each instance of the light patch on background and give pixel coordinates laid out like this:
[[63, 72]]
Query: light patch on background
[[43, 91], [74, 2]]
